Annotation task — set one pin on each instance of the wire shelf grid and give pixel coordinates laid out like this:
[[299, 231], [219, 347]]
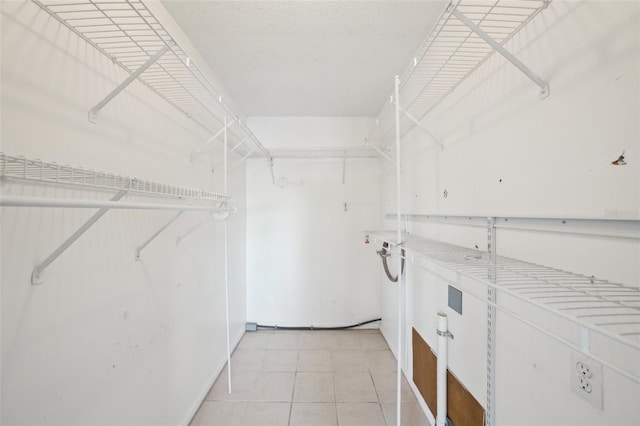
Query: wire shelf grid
[[24, 169], [612, 309], [449, 54], [129, 34]]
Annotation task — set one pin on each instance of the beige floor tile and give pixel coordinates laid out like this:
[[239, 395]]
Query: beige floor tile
[[280, 360], [381, 361], [285, 339], [313, 414], [314, 387], [255, 340], [316, 339], [345, 341], [354, 387], [410, 415], [242, 383], [247, 359], [219, 413], [319, 360], [372, 341], [352, 361], [385, 384], [273, 387], [266, 414], [360, 414]]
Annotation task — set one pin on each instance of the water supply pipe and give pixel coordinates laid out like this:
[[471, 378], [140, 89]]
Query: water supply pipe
[[441, 370]]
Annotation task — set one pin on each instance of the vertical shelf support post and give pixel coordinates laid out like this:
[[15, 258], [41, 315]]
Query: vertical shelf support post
[[491, 324], [399, 262], [36, 275], [134, 75], [226, 257]]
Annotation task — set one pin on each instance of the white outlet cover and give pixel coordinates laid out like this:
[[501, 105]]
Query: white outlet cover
[[586, 379]]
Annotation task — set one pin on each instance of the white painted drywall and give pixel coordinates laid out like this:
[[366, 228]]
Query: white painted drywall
[[307, 263], [554, 159], [106, 339]]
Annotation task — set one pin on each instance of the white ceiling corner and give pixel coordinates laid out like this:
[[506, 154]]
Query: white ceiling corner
[[307, 58]]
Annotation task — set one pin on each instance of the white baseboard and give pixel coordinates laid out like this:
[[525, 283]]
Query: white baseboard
[[209, 383]]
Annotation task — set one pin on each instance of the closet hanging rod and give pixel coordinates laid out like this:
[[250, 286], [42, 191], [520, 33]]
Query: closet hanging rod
[[19, 201]]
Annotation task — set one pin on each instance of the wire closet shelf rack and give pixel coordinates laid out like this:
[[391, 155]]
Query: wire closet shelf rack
[[451, 52], [38, 171], [609, 311], [128, 33]]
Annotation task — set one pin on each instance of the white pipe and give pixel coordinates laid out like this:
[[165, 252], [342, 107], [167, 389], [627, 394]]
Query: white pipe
[[17, 201], [226, 258], [441, 384], [399, 262]]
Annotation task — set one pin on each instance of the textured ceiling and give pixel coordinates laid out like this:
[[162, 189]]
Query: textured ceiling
[[307, 58]]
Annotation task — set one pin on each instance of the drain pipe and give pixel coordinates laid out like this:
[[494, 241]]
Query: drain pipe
[[441, 385]]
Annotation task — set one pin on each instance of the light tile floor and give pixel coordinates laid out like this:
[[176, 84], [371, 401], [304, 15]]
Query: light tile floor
[[310, 378]]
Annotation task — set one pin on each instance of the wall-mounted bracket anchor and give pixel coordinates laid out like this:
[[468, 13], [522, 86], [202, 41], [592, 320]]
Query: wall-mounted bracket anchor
[[134, 75], [445, 334]]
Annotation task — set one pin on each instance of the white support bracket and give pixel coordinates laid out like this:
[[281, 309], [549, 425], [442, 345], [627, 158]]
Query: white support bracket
[[544, 85], [155, 234], [134, 75], [422, 126], [385, 156], [36, 275], [239, 144], [196, 226], [237, 163], [208, 143]]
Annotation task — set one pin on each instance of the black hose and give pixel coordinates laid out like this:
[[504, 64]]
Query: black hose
[[383, 255], [345, 327]]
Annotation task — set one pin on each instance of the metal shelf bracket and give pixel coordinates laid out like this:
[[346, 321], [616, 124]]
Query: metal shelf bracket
[[196, 226], [129, 80], [422, 126], [208, 143], [543, 84], [382, 153], [37, 274], [155, 234]]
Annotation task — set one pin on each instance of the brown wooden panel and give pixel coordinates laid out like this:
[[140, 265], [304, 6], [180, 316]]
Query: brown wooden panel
[[462, 407]]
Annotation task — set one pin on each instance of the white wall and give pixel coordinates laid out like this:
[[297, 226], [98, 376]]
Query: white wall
[[106, 339], [307, 263], [554, 159]]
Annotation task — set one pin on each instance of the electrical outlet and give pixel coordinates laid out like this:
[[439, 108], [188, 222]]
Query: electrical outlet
[[586, 379]]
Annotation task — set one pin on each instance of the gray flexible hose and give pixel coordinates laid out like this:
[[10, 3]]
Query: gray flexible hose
[[383, 254]]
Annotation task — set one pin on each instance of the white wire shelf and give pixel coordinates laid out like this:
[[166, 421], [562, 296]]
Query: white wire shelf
[[449, 54], [130, 35], [21, 168], [608, 309], [325, 152]]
